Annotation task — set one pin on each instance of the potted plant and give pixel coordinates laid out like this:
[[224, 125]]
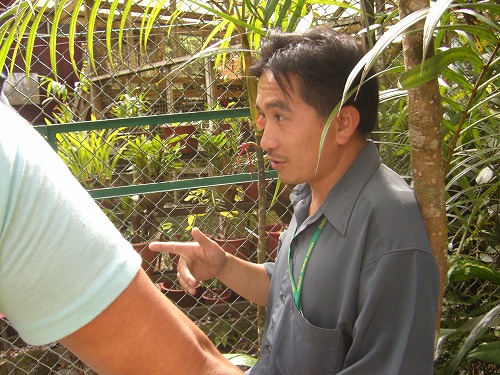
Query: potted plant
[[215, 292], [173, 230], [222, 221], [273, 234], [177, 294], [151, 159], [185, 132]]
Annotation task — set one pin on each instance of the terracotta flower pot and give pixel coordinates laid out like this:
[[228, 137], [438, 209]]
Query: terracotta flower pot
[[273, 233], [189, 144], [216, 296], [240, 247], [178, 295]]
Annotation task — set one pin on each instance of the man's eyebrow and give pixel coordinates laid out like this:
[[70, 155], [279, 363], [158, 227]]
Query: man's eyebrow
[[276, 104]]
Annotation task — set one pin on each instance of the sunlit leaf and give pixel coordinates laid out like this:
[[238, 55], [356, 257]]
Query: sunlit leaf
[[478, 31], [53, 35], [123, 21], [283, 12], [158, 6], [269, 10], [238, 359], [72, 34], [437, 9], [297, 22], [90, 32], [236, 21], [432, 67], [466, 268], [371, 58], [109, 29]]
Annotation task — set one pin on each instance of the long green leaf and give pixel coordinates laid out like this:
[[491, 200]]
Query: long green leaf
[[8, 23], [72, 34], [53, 35], [466, 268], [473, 336], [9, 40], [433, 18], [123, 21], [372, 56], [21, 30], [269, 10], [22, 19], [109, 29], [220, 60], [90, 32], [478, 31], [215, 31], [297, 16], [145, 15], [432, 67], [236, 21], [489, 353], [482, 19], [158, 6], [253, 8], [283, 13]]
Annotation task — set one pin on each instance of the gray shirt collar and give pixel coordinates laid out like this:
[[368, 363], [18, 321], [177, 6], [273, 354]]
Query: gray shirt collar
[[344, 194]]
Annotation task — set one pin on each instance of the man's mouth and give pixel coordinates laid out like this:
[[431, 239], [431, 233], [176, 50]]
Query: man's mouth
[[275, 162]]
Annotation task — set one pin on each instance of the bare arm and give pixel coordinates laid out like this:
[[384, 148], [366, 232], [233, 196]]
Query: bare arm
[[142, 332], [248, 279], [204, 259]]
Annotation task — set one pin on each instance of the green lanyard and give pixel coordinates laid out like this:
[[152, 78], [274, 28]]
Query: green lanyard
[[297, 288]]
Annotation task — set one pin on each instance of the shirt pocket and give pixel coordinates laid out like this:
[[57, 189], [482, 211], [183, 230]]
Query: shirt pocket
[[307, 349]]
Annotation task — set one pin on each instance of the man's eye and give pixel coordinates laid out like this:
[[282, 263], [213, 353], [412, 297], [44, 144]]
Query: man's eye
[[280, 117]]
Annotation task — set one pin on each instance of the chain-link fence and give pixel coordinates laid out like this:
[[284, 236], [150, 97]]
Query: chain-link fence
[[158, 176], [131, 78]]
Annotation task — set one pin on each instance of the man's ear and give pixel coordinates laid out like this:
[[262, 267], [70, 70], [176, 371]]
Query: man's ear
[[347, 123]]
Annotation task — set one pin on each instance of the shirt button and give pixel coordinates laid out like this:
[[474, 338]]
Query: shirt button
[[268, 347], [282, 296]]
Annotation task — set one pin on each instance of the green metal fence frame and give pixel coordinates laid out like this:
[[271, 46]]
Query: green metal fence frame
[[50, 131]]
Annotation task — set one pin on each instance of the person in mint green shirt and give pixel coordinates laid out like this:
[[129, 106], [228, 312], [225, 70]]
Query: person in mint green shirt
[[67, 274]]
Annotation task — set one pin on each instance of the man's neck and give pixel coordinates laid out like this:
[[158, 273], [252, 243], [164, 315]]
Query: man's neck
[[321, 189]]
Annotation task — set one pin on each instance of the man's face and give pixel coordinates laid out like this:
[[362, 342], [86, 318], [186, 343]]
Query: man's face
[[292, 133]]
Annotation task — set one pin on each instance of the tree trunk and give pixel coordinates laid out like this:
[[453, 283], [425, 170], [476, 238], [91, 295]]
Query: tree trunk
[[424, 121]]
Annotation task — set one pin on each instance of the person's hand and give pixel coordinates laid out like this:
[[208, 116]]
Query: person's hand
[[198, 261]]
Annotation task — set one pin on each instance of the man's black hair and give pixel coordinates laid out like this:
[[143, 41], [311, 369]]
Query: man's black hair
[[322, 59]]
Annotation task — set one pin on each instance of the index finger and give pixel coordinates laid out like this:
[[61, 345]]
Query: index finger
[[172, 247]]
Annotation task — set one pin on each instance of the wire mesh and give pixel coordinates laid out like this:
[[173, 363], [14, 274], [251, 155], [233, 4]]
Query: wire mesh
[[138, 79], [158, 77]]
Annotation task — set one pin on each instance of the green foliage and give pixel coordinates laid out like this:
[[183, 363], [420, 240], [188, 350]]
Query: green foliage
[[239, 359], [488, 349], [130, 105], [221, 219], [90, 155], [152, 159], [464, 36], [465, 268], [220, 146]]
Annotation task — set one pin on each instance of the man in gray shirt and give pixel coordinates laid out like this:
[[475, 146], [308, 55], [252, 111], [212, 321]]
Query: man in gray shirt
[[354, 289]]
